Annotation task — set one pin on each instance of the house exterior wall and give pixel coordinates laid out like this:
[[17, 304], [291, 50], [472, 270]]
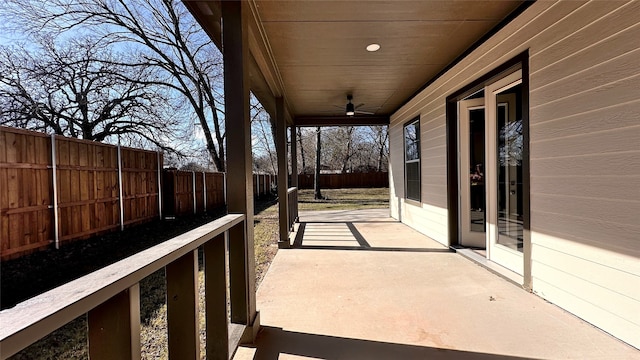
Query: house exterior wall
[[584, 72]]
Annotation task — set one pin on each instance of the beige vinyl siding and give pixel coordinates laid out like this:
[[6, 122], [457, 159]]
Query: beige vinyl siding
[[429, 220], [584, 60], [430, 216], [396, 168]]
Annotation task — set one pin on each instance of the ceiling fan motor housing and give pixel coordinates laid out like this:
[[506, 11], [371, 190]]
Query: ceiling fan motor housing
[[350, 111]]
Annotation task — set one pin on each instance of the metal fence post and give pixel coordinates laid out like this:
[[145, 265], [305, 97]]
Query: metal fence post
[[195, 203], [159, 187], [120, 186], [264, 185], [204, 190], [56, 229], [224, 186]]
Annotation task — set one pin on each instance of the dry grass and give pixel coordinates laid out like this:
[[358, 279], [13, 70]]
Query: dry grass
[[344, 199], [70, 341]]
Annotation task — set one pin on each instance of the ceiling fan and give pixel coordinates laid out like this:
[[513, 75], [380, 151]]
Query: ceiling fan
[[351, 109]]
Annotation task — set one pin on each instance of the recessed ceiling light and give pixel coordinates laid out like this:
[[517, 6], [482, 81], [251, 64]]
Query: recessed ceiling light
[[373, 47]]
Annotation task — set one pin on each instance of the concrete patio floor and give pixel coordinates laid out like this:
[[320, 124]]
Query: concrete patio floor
[[363, 286]]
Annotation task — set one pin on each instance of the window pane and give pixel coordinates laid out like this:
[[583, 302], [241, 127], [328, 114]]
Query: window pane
[[412, 141], [510, 151], [413, 181], [477, 192], [412, 160]]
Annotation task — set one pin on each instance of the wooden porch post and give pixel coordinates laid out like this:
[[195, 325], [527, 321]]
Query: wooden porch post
[[239, 165], [294, 157], [283, 172]]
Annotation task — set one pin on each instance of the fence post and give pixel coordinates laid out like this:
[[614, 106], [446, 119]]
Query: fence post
[[159, 186], [204, 190], [257, 185], [195, 203], [264, 177], [56, 232], [120, 186], [224, 186]]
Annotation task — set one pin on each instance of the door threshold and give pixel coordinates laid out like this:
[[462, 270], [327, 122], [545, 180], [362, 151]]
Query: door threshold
[[501, 271]]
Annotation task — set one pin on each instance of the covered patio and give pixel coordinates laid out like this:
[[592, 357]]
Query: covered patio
[[364, 282], [363, 286]]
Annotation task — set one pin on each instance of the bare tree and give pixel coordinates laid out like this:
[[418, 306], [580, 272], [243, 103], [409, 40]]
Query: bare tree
[[348, 148], [80, 91], [166, 37], [381, 141], [316, 181], [265, 158], [339, 144], [301, 147]]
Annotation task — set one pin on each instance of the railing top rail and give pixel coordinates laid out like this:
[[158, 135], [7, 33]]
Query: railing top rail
[[291, 189], [32, 319]]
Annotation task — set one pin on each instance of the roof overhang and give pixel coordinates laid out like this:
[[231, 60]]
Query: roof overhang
[[312, 53]]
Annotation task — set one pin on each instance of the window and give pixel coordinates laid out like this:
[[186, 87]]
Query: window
[[412, 159]]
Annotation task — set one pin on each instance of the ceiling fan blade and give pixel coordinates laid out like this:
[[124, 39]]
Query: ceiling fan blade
[[359, 105], [364, 112]]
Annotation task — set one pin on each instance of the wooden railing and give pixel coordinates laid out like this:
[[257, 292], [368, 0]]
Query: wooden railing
[[292, 201], [111, 299]]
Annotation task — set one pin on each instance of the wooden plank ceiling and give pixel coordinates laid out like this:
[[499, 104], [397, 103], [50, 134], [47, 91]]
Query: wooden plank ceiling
[[314, 52]]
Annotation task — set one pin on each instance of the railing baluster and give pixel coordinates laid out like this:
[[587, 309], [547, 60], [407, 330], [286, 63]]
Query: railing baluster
[[216, 298], [182, 307], [238, 277], [114, 327]]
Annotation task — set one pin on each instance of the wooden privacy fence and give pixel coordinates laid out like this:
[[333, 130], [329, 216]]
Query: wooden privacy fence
[[180, 198], [341, 181], [262, 184], [54, 189], [79, 194], [26, 198]]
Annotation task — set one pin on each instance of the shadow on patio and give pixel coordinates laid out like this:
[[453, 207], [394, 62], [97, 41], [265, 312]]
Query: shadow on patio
[[274, 342], [361, 285]]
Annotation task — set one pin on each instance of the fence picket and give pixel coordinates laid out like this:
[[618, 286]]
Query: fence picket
[[158, 184]]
